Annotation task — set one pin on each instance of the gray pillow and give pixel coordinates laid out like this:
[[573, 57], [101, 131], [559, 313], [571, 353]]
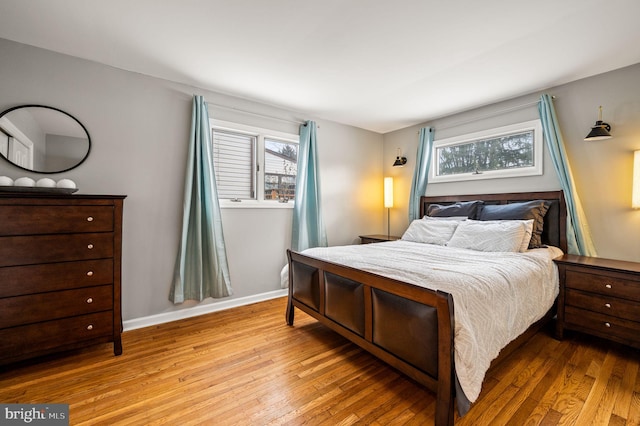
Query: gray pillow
[[519, 211], [466, 208]]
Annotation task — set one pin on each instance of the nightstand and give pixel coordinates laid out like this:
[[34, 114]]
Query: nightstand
[[600, 297], [377, 238]]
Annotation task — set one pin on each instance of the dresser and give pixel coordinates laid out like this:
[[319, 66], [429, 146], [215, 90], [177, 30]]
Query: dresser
[[60, 263], [599, 297]]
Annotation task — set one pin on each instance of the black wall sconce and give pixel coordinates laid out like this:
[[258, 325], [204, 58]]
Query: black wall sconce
[[600, 131], [400, 161]]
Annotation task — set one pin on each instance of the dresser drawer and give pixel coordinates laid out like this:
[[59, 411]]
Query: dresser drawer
[[21, 280], [34, 308], [30, 220], [613, 306], [606, 285], [606, 326], [42, 337], [32, 250]]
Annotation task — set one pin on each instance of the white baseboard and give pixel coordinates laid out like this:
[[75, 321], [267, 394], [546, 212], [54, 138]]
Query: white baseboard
[[200, 310]]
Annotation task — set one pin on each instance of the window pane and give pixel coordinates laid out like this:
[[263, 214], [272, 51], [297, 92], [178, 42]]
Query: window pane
[[280, 158], [498, 153], [234, 164]]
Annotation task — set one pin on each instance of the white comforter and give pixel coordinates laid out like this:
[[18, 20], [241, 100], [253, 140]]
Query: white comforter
[[497, 296]]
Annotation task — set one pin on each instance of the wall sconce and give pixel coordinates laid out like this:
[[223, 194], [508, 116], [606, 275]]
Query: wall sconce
[[400, 161], [600, 131], [635, 192], [388, 201]]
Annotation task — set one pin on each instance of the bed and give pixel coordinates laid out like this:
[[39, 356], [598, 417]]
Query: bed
[[391, 315]]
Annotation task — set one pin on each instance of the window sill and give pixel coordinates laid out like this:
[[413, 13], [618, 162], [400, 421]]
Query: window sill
[[250, 204]]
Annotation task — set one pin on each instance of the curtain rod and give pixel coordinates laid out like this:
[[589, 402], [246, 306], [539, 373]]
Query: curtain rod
[[255, 114], [492, 114]]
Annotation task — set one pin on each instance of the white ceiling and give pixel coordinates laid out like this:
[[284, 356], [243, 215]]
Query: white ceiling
[[376, 64]]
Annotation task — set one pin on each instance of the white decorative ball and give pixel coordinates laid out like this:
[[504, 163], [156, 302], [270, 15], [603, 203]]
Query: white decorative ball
[[66, 183], [6, 181], [24, 181], [46, 183]]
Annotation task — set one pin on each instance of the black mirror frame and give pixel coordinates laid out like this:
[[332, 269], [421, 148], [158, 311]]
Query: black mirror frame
[[5, 112]]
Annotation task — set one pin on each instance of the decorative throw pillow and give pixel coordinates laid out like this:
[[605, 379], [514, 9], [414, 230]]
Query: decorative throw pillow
[[466, 208], [494, 236], [430, 231], [534, 210]]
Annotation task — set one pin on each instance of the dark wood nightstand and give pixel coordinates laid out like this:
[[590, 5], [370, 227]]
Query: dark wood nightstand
[[599, 297], [377, 238]]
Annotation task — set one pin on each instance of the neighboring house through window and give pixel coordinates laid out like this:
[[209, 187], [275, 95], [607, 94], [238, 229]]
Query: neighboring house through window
[[280, 169]]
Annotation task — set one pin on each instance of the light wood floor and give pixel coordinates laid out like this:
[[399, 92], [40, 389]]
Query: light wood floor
[[244, 366]]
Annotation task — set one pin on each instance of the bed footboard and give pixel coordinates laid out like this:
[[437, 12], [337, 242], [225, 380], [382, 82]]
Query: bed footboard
[[408, 327]]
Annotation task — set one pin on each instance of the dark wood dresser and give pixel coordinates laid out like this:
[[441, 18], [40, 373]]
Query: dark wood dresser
[[60, 263], [600, 297]]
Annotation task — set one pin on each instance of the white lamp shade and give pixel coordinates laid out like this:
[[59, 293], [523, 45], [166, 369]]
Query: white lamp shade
[[635, 196], [388, 192]]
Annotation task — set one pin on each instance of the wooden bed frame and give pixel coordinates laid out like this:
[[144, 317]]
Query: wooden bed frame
[[409, 327]]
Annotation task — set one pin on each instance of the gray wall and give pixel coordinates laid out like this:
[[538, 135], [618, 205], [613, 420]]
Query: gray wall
[[63, 152], [139, 128], [602, 170]]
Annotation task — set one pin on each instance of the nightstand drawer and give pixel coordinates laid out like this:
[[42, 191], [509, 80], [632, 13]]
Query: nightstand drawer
[[603, 325], [605, 285], [612, 306], [366, 240], [377, 238]]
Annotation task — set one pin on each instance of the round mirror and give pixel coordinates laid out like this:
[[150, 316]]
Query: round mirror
[[43, 139]]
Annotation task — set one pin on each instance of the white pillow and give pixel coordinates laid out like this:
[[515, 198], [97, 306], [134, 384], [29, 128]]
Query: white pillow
[[492, 236], [430, 231], [528, 230]]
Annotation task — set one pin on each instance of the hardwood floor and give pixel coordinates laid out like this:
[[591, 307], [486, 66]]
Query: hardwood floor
[[244, 366]]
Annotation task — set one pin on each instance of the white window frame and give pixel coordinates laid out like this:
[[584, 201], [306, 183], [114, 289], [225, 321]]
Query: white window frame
[[260, 134], [536, 169]]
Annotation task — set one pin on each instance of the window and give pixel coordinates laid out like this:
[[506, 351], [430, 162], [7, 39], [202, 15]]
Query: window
[[508, 151], [280, 166], [254, 167]]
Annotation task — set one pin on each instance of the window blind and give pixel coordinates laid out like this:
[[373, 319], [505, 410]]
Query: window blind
[[234, 164]]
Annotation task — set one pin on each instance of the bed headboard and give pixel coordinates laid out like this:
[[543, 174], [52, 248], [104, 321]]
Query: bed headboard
[[555, 221]]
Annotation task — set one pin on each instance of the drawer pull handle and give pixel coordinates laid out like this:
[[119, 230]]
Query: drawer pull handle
[[90, 273], [607, 285], [90, 327], [90, 246], [90, 300], [607, 305], [90, 219], [608, 325]]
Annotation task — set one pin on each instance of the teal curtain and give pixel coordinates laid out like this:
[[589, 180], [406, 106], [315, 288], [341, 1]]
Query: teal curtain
[[421, 172], [308, 227], [578, 235], [201, 268]]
